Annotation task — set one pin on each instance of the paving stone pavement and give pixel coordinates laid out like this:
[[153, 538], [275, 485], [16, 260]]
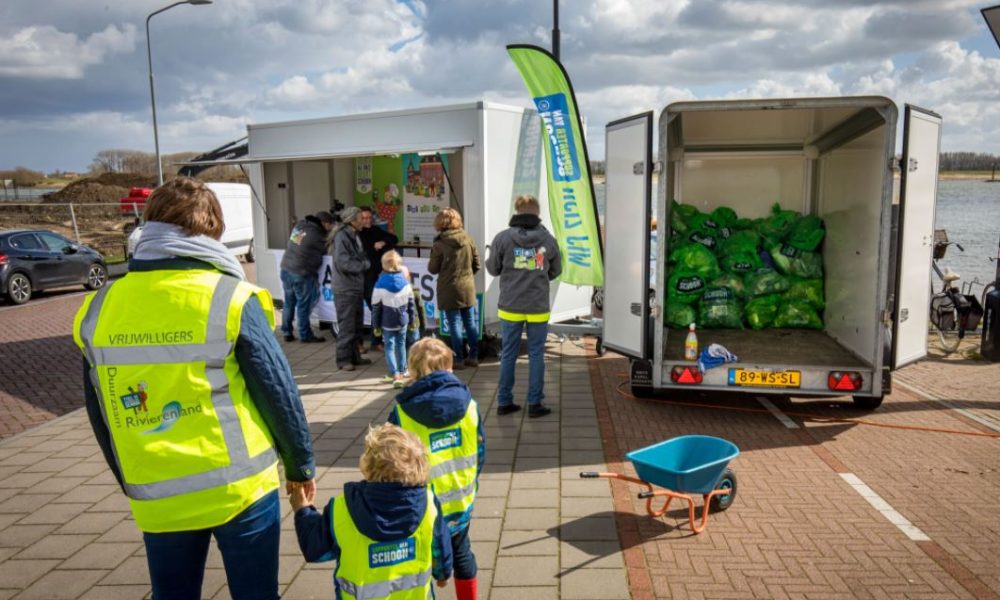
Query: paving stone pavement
[[65, 529]]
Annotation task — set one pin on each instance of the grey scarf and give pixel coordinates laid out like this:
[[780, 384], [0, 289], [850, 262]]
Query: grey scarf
[[165, 240]]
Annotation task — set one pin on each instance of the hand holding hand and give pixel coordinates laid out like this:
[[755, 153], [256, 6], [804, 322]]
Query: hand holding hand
[[442, 582], [301, 494]]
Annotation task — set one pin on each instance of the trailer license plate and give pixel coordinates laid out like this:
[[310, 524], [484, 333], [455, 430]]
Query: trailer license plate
[[751, 378]]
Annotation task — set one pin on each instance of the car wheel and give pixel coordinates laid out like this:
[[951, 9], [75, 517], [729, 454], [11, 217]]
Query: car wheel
[[19, 288], [250, 256], [97, 276]]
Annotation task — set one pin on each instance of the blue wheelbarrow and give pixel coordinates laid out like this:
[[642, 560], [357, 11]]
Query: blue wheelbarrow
[[686, 466]]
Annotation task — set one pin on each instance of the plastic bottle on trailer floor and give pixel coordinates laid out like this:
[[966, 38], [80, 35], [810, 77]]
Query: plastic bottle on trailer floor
[[691, 344]]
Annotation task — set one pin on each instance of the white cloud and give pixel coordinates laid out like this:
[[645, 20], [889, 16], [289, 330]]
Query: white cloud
[[44, 52]]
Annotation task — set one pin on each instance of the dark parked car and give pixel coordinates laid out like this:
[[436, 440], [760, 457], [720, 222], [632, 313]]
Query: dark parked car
[[36, 260]]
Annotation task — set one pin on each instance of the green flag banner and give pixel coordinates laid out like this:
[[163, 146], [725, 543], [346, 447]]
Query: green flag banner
[[571, 192]]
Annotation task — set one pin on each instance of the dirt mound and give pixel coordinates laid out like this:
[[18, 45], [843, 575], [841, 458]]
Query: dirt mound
[[125, 180], [87, 191]]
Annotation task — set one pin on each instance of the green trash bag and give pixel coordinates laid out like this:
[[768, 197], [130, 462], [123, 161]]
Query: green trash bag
[[743, 224], [741, 263], [777, 226], [695, 258], [720, 309], [741, 241], [685, 211], [761, 311], [765, 281], [707, 237], [810, 290], [684, 287], [731, 281], [789, 260], [807, 233], [724, 216], [677, 224], [680, 315], [703, 221], [797, 314]]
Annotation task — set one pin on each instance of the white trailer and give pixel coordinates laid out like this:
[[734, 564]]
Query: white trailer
[[494, 153], [830, 157]]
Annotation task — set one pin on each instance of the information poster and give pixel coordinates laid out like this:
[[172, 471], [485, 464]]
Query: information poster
[[477, 319], [425, 193], [383, 192]]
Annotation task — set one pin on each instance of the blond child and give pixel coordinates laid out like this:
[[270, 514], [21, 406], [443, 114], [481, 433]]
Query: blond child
[[393, 313], [439, 409], [386, 532]]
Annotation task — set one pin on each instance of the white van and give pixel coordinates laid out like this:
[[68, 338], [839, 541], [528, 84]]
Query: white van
[[237, 211]]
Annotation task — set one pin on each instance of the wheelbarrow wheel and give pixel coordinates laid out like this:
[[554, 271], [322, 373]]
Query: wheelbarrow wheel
[[721, 502]]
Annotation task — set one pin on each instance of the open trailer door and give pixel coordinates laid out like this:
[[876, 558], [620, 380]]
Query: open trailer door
[[915, 234], [628, 193]]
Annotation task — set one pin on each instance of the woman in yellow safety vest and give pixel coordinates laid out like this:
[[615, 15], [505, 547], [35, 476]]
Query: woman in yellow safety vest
[[196, 448]]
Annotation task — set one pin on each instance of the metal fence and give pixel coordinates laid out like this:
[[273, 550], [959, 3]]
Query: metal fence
[[103, 227]]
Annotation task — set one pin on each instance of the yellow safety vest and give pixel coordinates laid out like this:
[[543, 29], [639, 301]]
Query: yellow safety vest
[[529, 317], [192, 449], [370, 569], [454, 458]]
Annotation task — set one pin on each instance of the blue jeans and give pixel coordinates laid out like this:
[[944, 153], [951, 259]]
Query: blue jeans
[[395, 350], [249, 546], [301, 294], [461, 551], [463, 319], [510, 332]]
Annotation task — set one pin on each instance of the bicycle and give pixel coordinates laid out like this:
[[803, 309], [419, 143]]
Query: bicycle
[[950, 308]]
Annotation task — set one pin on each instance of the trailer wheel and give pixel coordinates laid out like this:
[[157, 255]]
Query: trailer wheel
[[640, 391], [867, 402], [721, 502], [599, 346]]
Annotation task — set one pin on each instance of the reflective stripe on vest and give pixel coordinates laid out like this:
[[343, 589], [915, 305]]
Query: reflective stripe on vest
[[213, 353], [518, 317], [453, 467], [406, 572]]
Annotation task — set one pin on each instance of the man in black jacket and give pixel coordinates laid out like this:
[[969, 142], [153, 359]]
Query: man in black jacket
[[300, 274], [376, 242], [349, 267]]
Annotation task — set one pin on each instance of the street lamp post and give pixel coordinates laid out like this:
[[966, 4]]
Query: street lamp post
[[152, 92]]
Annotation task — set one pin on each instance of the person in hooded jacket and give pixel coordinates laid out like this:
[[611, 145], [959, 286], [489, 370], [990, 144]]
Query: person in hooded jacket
[[455, 260], [378, 530], [300, 274], [439, 408], [526, 258], [393, 315]]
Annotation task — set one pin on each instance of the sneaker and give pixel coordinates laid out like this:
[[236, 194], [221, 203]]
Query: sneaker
[[538, 410], [314, 340], [388, 379], [458, 367], [363, 362], [508, 409], [379, 347], [398, 383], [289, 337], [472, 362], [347, 367]]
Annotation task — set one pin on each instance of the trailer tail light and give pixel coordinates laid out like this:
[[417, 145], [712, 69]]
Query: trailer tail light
[[844, 381], [685, 375]]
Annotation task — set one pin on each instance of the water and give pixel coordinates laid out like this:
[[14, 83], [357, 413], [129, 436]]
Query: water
[[25, 194], [969, 209]]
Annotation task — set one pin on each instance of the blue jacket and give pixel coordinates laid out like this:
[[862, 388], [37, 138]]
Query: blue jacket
[[266, 372], [439, 400], [393, 307], [381, 511]]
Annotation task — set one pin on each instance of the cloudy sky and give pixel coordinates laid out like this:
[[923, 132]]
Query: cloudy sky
[[73, 76]]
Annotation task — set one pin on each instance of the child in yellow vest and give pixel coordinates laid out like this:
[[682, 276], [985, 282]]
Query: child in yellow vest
[[386, 533], [438, 407]]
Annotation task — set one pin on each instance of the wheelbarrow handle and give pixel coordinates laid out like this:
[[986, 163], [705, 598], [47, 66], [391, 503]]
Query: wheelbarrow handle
[[590, 475], [646, 494]]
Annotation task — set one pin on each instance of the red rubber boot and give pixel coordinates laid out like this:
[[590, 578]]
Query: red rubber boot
[[466, 589]]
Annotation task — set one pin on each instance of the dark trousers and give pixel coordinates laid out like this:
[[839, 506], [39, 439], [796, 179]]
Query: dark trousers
[[350, 323], [249, 546], [461, 551]]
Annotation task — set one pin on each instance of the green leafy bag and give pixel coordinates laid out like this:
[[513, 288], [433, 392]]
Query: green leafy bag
[[797, 314], [695, 258], [731, 281], [685, 287], [761, 311], [685, 211], [724, 216], [707, 237], [679, 315], [720, 309], [807, 233], [775, 227], [789, 260], [765, 281], [741, 263], [741, 241], [810, 290], [742, 224]]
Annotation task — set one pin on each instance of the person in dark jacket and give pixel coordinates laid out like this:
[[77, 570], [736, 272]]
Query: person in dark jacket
[[438, 400], [393, 315], [376, 242], [455, 260], [300, 274], [388, 506], [349, 267], [526, 258]]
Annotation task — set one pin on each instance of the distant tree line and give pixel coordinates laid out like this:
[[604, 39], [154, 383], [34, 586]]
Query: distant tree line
[[968, 161], [117, 160], [23, 176]]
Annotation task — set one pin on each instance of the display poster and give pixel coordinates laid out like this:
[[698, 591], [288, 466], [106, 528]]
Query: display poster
[[425, 194], [423, 280], [363, 176], [477, 318], [384, 193]]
